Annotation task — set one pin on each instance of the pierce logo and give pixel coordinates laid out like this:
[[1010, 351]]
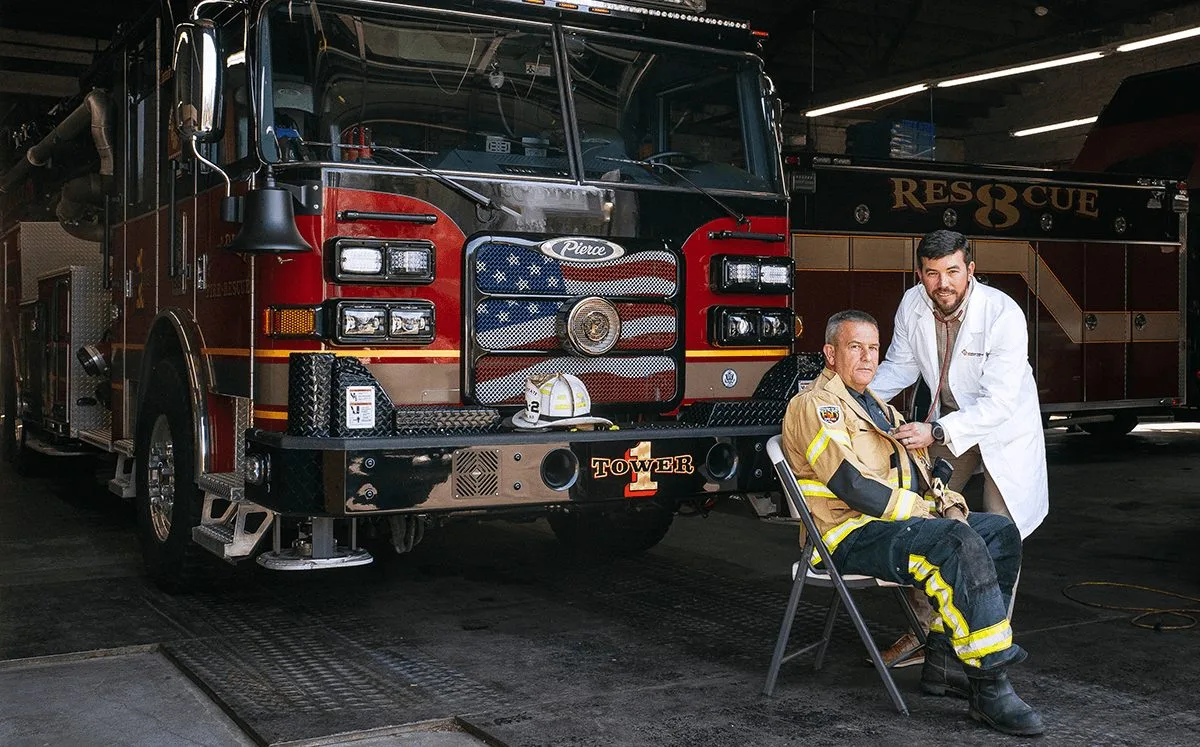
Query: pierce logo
[[576, 249], [640, 465]]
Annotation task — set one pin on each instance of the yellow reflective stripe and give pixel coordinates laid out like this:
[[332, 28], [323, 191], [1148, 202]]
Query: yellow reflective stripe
[[906, 503], [983, 642], [937, 626], [819, 442], [837, 534], [936, 587], [822, 439], [815, 489]]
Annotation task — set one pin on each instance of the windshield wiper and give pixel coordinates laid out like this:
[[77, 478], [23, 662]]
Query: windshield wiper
[[481, 200], [740, 218]]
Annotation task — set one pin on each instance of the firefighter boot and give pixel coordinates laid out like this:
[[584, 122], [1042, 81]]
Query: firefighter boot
[[994, 703], [943, 673]]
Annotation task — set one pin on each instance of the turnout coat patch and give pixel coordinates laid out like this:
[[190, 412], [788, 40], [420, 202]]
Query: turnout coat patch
[[830, 414]]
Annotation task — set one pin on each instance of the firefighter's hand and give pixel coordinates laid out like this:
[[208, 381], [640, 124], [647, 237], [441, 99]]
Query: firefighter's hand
[[958, 513], [914, 435]]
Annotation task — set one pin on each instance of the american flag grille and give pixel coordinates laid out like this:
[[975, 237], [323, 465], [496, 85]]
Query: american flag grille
[[501, 267], [516, 298], [500, 380], [506, 324]]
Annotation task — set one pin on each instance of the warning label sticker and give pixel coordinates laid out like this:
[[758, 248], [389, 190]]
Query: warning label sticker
[[360, 407]]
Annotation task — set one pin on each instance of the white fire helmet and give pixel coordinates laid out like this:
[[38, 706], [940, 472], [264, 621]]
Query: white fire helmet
[[556, 401]]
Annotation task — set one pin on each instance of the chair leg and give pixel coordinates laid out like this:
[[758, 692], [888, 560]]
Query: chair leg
[[785, 630], [830, 617], [872, 649], [913, 622]]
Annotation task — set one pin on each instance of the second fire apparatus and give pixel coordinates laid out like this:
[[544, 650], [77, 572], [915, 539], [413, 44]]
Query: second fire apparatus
[[1098, 262], [301, 274]]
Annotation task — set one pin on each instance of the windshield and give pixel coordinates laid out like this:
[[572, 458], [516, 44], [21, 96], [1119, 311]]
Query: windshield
[[699, 112], [403, 88]]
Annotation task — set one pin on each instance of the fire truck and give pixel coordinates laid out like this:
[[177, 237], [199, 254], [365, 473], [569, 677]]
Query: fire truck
[[1098, 261], [295, 265]]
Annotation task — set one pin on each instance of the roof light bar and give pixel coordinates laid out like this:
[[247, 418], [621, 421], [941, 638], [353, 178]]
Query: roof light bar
[[867, 100], [1161, 39], [1019, 69], [1055, 126]]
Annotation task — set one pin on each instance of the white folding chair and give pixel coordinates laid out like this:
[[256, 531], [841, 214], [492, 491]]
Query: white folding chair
[[827, 575]]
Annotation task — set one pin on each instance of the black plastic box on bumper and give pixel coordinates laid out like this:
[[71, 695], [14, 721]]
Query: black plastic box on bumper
[[335, 460]]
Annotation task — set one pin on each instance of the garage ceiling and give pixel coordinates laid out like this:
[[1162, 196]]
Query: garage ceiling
[[820, 51]]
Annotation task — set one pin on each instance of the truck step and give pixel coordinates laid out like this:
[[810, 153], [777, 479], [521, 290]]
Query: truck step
[[99, 437], [229, 528], [123, 446], [122, 486], [228, 485], [217, 539]]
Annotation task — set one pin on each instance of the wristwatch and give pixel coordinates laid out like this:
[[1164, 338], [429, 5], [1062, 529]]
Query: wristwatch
[[939, 434]]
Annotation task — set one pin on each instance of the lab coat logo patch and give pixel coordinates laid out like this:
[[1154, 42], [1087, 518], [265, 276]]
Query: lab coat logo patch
[[830, 414]]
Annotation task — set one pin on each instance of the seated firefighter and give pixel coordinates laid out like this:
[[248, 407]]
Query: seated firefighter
[[882, 514]]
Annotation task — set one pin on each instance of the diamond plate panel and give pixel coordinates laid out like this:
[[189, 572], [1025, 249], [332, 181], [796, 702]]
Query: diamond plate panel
[[89, 321], [46, 247]]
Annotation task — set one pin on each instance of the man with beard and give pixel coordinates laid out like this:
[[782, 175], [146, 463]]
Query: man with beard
[[970, 344]]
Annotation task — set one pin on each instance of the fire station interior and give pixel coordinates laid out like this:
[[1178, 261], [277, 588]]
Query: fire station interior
[[1060, 136]]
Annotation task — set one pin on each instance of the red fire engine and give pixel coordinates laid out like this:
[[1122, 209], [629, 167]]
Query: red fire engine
[[301, 274]]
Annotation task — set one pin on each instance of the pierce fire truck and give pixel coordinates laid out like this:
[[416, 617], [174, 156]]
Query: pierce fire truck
[[294, 264], [1097, 261]]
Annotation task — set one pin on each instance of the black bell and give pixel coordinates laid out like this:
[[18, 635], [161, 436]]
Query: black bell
[[268, 223]]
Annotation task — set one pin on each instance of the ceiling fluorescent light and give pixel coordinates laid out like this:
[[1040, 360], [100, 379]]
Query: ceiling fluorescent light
[[1156, 40], [1044, 64], [868, 100], [1055, 126]]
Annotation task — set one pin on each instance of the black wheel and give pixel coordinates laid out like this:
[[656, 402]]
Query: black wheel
[[168, 502], [618, 533], [1120, 425]]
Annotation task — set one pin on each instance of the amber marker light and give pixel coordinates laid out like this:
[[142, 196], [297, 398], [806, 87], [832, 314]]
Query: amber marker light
[[291, 321]]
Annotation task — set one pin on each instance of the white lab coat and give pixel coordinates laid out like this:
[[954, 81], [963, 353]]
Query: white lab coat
[[993, 385]]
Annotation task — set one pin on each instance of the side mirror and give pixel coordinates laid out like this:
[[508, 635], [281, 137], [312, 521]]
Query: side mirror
[[197, 104]]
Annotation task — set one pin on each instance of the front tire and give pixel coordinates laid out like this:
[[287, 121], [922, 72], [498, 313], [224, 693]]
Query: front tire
[[621, 532], [168, 501]]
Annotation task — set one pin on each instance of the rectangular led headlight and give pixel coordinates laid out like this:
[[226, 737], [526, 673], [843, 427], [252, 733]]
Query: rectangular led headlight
[[407, 322], [360, 260], [362, 322], [412, 322], [383, 261], [732, 326], [732, 273], [411, 262]]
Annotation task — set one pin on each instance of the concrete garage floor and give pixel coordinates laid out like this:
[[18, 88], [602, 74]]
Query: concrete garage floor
[[489, 634]]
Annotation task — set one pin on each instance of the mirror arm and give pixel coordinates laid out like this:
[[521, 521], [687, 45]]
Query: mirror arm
[[197, 12], [211, 165]]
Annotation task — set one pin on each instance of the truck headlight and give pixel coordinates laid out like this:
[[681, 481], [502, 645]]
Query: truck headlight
[[404, 322], [733, 273], [775, 328], [362, 323], [411, 323], [411, 263], [360, 260], [731, 326], [381, 261]]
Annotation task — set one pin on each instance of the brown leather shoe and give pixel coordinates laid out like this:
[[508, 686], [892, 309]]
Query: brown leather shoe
[[907, 651]]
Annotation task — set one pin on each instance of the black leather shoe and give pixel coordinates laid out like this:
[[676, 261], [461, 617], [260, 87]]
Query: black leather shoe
[[943, 673], [994, 703]]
